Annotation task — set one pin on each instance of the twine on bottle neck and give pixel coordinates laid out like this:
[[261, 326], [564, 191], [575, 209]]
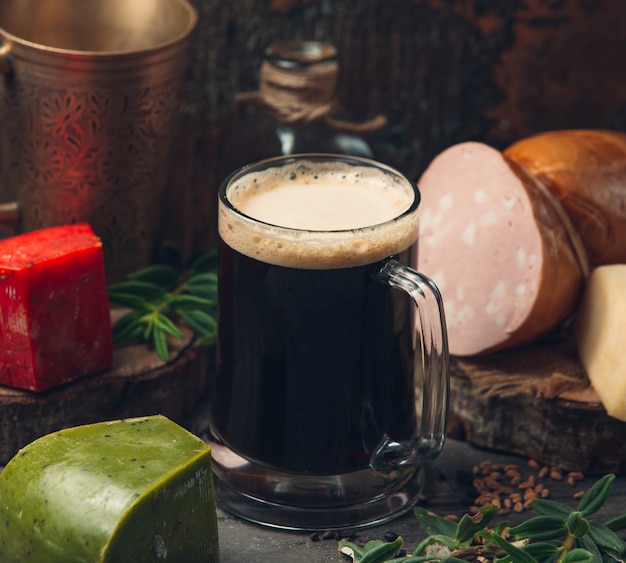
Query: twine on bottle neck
[[305, 95]]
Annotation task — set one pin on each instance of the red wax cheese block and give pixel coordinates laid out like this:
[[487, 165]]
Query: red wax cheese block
[[55, 323]]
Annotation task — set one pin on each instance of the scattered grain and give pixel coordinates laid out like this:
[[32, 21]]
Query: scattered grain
[[528, 484], [507, 488], [530, 494], [479, 485], [556, 474]]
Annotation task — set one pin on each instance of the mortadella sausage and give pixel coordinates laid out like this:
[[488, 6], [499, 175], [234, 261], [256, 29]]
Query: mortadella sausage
[[496, 246]]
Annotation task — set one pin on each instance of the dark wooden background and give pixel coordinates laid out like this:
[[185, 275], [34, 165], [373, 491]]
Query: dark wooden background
[[442, 71]]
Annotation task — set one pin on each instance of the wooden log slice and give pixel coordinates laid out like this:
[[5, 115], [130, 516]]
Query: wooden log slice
[[139, 383], [536, 401]]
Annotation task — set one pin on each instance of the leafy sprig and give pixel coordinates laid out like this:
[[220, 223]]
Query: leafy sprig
[[161, 294], [558, 534]]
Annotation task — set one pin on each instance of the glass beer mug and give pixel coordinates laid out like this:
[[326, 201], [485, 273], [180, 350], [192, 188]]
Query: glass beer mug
[[327, 335]]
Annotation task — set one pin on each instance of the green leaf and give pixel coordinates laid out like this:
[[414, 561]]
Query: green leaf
[[578, 556], [540, 528], [204, 285], [198, 321], [517, 554], [207, 340], [501, 527], [440, 539], [131, 301], [128, 328], [357, 550], [190, 302], [160, 343], [132, 332], [147, 329], [596, 495], [547, 507], [147, 290], [127, 319], [166, 325], [610, 557], [469, 526], [605, 538], [577, 525], [433, 524], [540, 551], [203, 278], [588, 544], [160, 274], [617, 524], [159, 291], [377, 551]]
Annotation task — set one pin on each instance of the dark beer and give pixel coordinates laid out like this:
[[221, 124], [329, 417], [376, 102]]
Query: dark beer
[[315, 353]]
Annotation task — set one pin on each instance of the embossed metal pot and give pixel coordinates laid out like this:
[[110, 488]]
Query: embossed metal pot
[[89, 104]]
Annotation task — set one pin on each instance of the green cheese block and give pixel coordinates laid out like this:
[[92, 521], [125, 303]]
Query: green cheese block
[[131, 490]]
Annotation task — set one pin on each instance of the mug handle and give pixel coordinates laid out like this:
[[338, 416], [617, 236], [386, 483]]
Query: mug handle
[[9, 212], [431, 353]]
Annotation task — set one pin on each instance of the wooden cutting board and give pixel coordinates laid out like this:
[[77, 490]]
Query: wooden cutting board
[[536, 401], [139, 383]]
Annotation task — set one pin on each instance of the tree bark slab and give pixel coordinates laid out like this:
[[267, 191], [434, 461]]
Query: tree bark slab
[[138, 384], [536, 401]]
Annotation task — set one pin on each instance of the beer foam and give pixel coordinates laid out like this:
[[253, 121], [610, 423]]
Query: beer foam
[[322, 206], [301, 217]]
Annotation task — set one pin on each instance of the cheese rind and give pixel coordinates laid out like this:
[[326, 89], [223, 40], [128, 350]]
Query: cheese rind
[[55, 320], [600, 331], [134, 490]]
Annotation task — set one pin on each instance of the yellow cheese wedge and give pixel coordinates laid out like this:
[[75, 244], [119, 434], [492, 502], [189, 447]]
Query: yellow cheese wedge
[[600, 330], [127, 491]]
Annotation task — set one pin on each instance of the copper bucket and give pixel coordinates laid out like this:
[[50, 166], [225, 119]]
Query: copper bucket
[[89, 105]]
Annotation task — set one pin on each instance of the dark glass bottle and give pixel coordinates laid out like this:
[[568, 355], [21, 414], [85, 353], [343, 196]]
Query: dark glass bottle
[[295, 109]]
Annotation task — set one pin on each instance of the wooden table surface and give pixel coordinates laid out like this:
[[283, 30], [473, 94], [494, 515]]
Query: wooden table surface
[[449, 490]]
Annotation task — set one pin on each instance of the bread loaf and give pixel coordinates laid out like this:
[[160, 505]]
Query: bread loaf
[[586, 171], [496, 246]]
